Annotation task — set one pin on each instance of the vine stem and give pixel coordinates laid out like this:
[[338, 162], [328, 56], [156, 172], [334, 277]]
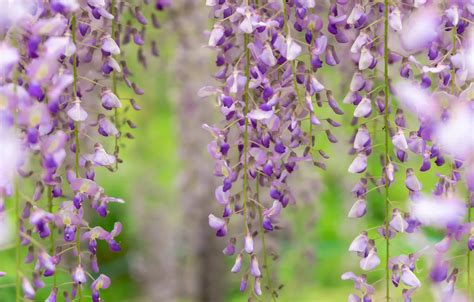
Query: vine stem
[[387, 158], [76, 136], [18, 242], [246, 134], [52, 242], [264, 246]]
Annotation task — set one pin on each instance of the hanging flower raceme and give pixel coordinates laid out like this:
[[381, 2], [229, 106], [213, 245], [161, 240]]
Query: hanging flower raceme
[[62, 62], [425, 33], [266, 94]]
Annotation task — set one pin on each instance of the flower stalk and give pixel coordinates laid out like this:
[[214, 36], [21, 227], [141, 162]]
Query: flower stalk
[[387, 158], [77, 144], [246, 133], [264, 245]]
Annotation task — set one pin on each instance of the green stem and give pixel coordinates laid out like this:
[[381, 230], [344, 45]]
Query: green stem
[[52, 239], [387, 158], [18, 242], [76, 136], [246, 134], [264, 246]]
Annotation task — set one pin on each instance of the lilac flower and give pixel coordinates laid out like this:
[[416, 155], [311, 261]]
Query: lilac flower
[[439, 271], [359, 244], [395, 19], [359, 164], [229, 250], [101, 158], [358, 209], [419, 29], [438, 212], [99, 233], [408, 278], [363, 109], [218, 224], [79, 276], [76, 112], [28, 290], [293, 50], [371, 261], [398, 223], [270, 215], [102, 282], [254, 268], [53, 295], [257, 288], [109, 46], [237, 264], [411, 182], [248, 246], [362, 138], [110, 100], [455, 136]]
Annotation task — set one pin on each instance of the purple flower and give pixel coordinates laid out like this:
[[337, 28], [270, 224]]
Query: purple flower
[[408, 278], [76, 112], [110, 100], [102, 282], [358, 209], [237, 264], [359, 244], [371, 261], [218, 224], [28, 290], [248, 246], [359, 164], [109, 46], [254, 269], [79, 276]]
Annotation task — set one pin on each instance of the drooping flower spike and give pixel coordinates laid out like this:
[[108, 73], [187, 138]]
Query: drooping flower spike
[[265, 95], [62, 62], [433, 92]]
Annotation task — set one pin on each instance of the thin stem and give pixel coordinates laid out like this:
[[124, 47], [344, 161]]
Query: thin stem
[[246, 134], [18, 241], [387, 159], [264, 246], [76, 136], [52, 239]]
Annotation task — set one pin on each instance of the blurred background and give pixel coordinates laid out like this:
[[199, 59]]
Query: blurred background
[[169, 252]]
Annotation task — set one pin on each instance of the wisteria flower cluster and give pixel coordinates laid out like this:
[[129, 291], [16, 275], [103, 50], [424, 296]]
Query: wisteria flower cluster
[[410, 66], [61, 118], [266, 98]]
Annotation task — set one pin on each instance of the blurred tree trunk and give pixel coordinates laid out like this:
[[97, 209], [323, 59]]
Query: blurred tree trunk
[[203, 263], [181, 258]]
